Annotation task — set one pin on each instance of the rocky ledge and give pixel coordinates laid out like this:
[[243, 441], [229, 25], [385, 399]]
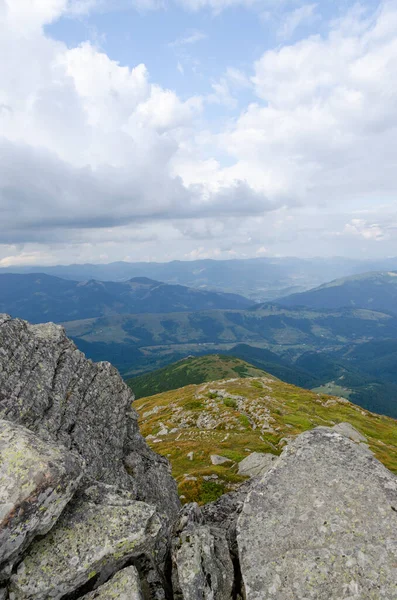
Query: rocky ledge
[[87, 510]]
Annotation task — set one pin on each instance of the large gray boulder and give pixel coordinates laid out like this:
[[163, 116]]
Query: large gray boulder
[[97, 535], [201, 561], [350, 432], [37, 480], [48, 386], [256, 464], [125, 585], [321, 524]]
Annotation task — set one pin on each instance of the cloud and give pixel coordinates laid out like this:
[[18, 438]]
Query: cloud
[[191, 38], [294, 19], [94, 154], [89, 144], [368, 231], [216, 6], [224, 90], [323, 128], [222, 94]]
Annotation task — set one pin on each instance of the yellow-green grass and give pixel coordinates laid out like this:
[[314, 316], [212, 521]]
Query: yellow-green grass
[[235, 417]]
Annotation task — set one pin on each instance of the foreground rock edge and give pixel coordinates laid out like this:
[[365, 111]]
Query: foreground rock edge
[[37, 480], [321, 524]]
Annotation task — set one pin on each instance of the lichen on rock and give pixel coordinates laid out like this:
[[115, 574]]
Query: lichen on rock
[[321, 524], [37, 480], [125, 585], [91, 541], [48, 386]]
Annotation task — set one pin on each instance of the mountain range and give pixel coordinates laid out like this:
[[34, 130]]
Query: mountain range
[[38, 297], [375, 291], [348, 348], [260, 279]]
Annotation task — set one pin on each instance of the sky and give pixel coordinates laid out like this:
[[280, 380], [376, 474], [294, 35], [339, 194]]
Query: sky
[[153, 130]]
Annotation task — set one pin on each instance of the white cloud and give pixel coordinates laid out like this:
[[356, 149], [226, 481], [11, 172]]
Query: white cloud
[[294, 19], [88, 144], [324, 128], [222, 94], [190, 38], [216, 6], [94, 154], [201, 253], [368, 231]]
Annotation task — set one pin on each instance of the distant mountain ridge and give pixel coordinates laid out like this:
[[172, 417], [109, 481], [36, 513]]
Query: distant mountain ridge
[[38, 297], [374, 291], [263, 278]]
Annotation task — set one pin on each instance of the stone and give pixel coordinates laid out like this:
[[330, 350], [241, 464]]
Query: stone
[[219, 460], [125, 585], [98, 533], [202, 566], [48, 386], [321, 524], [37, 480], [350, 432], [256, 464]]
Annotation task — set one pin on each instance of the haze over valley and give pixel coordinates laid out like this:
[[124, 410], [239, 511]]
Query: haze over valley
[[339, 338]]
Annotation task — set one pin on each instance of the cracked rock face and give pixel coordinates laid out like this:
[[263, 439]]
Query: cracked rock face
[[37, 480], [321, 525], [96, 536], [125, 585], [48, 386], [202, 565]]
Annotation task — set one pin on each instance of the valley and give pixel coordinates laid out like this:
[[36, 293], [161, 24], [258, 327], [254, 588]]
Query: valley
[[142, 325]]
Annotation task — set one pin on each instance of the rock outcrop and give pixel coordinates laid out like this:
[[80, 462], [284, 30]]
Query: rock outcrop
[[125, 585], [95, 537], [37, 480], [89, 511], [257, 463], [74, 469], [201, 560], [321, 524], [48, 386]]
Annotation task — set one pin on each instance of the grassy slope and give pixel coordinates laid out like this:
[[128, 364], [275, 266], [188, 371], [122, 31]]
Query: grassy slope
[[255, 414], [191, 370]]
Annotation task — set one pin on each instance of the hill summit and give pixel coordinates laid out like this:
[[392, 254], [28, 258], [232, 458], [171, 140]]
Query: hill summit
[[207, 430], [194, 369]]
